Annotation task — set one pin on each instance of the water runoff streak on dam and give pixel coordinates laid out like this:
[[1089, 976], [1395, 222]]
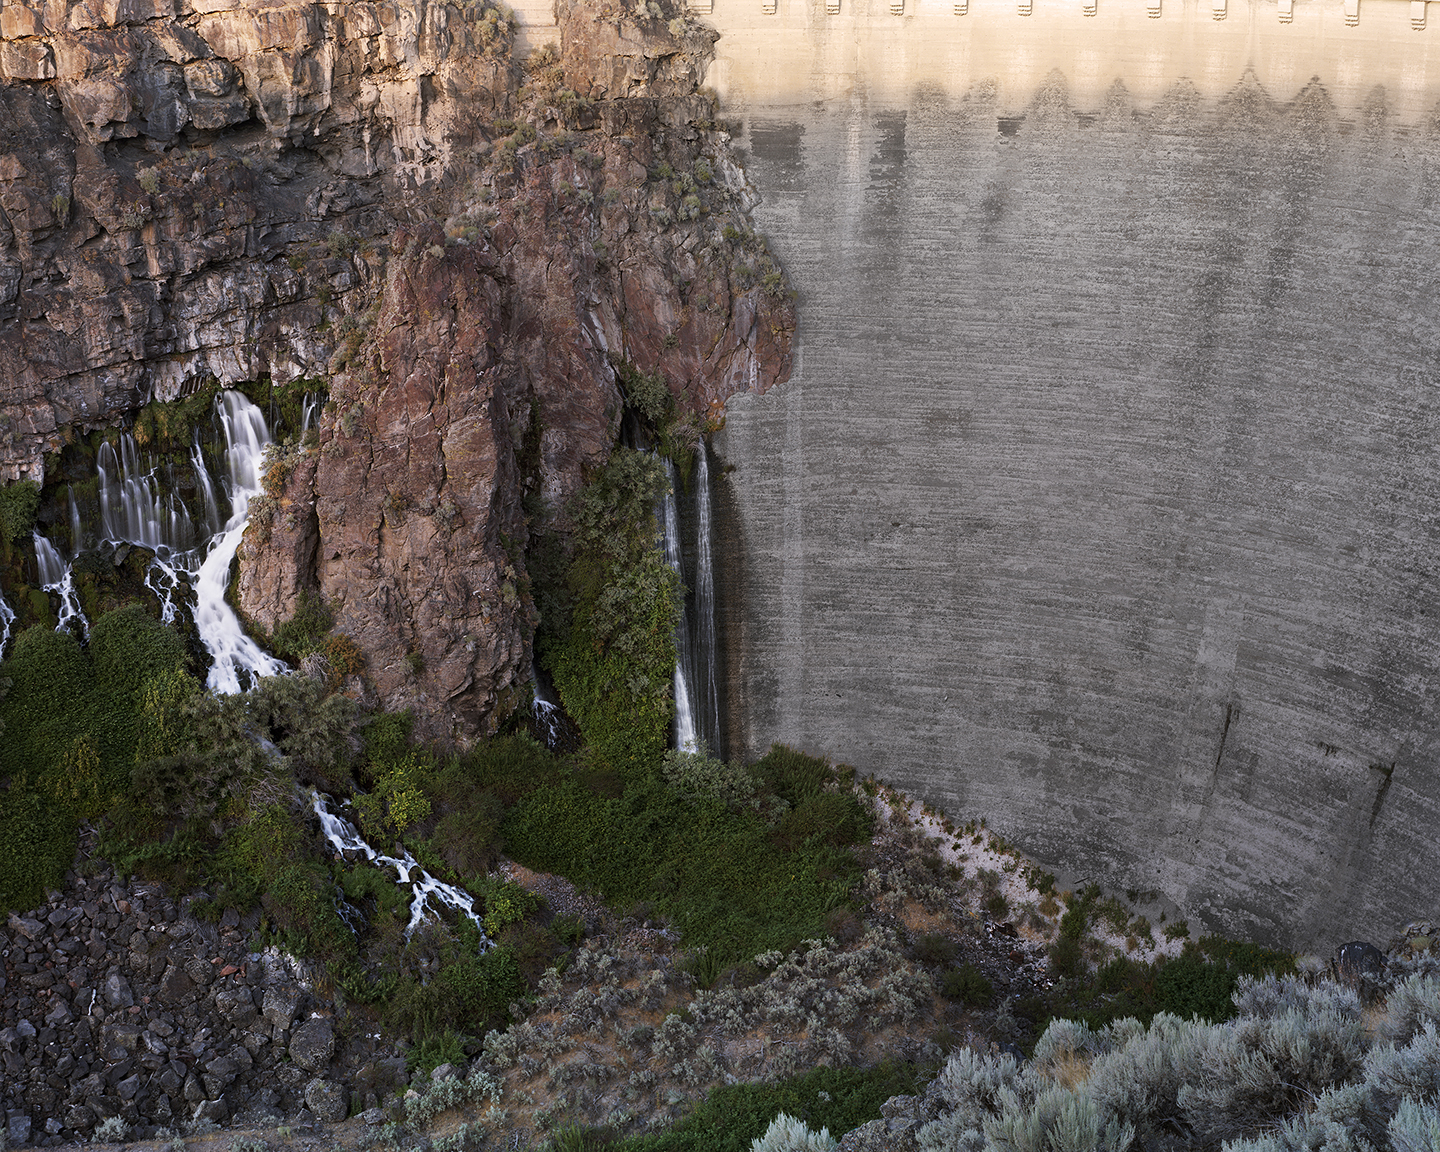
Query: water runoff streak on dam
[[1104, 500]]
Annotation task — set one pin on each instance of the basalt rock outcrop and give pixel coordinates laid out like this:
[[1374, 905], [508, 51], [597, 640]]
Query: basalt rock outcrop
[[186, 190], [456, 246]]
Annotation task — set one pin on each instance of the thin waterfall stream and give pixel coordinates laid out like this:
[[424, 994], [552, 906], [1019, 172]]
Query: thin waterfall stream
[[344, 837], [7, 618], [697, 691], [687, 737], [235, 653]]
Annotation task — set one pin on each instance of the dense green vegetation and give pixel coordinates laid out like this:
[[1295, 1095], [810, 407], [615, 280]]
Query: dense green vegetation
[[1197, 984], [608, 631], [731, 1117], [212, 795]]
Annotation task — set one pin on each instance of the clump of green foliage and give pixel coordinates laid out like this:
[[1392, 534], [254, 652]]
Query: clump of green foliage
[[609, 637], [967, 985], [1199, 983], [732, 1117], [69, 762], [18, 504], [734, 882]]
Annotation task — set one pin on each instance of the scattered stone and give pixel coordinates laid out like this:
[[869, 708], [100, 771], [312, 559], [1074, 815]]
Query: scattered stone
[[1358, 961], [282, 1001], [117, 991], [327, 1100], [443, 1072], [312, 1045], [17, 1131]]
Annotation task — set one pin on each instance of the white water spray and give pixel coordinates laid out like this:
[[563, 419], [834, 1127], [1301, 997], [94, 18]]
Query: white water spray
[[7, 618], [704, 630], [55, 576], [549, 720], [344, 837], [219, 628], [133, 506], [308, 408], [686, 737]]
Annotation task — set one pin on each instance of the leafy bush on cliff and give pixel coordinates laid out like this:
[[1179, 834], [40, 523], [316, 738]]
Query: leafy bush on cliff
[[18, 504], [609, 639]]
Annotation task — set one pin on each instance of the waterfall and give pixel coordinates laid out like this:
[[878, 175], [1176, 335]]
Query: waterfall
[[687, 738], [7, 618], [55, 576], [307, 412], [344, 837], [550, 722], [134, 508], [245, 439], [704, 631]]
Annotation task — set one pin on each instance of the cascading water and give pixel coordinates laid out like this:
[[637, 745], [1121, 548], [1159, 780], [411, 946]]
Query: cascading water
[[55, 576], [7, 618], [549, 719], [687, 738], [697, 689], [309, 406], [344, 837], [708, 688], [234, 652], [133, 506], [136, 508]]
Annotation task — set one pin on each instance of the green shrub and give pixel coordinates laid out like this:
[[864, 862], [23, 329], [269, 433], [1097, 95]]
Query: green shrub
[[732, 1117], [128, 650], [300, 906], [830, 817], [792, 775], [44, 666], [646, 393], [716, 873], [1066, 957], [37, 843], [934, 949], [968, 985], [304, 632], [468, 839], [430, 1049], [471, 994], [608, 637], [508, 903], [19, 502], [698, 774], [396, 801]]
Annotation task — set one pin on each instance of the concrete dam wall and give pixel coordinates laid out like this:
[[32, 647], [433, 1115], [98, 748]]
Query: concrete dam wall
[[1104, 500]]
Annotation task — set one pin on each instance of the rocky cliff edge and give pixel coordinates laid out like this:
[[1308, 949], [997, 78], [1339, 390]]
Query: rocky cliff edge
[[456, 245]]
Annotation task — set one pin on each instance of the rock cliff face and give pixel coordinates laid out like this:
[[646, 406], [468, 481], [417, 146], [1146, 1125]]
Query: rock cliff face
[[185, 189], [375, 196]]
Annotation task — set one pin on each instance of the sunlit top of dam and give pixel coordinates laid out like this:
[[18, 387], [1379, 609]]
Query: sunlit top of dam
[[773, 53]]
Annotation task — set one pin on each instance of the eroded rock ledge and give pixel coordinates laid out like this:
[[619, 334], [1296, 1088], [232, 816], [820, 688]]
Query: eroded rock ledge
[[377, 196]]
